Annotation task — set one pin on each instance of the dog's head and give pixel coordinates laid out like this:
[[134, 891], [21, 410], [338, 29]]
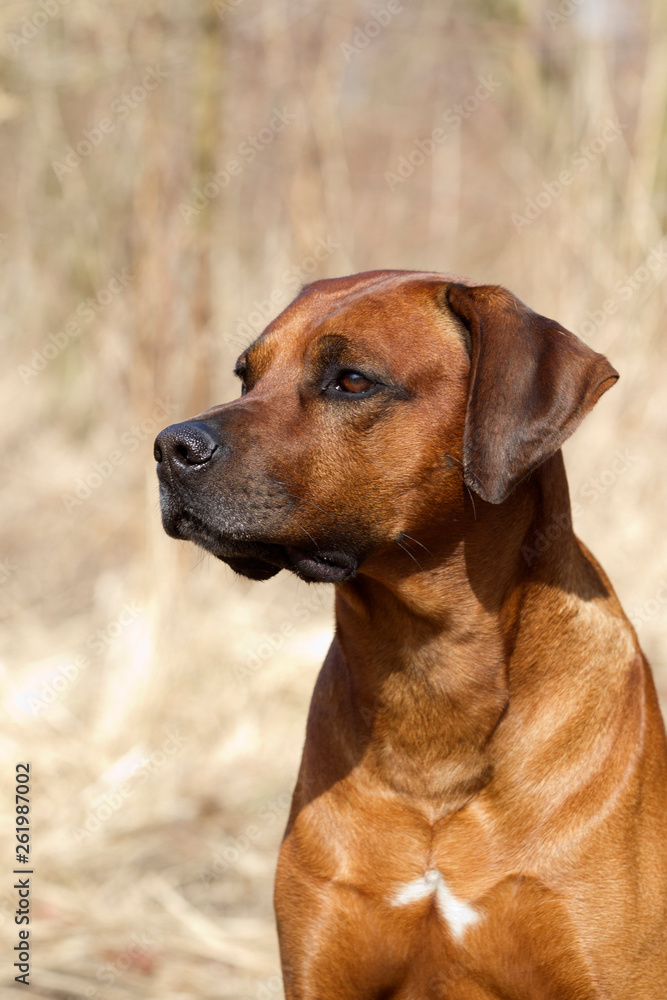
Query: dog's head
[[368, 409]]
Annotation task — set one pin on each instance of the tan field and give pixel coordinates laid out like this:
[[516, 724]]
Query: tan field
[[170, 174]]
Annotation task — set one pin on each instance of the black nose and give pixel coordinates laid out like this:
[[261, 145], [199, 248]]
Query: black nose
[[185, 444]]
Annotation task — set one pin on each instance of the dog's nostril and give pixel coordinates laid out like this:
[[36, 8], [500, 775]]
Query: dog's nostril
[[185, 444], [194, 452]]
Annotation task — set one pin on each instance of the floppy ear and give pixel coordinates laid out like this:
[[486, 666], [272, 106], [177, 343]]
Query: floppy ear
[[531, 384]]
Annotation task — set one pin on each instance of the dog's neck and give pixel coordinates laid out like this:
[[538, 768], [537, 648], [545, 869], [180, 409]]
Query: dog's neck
[[426, 654]]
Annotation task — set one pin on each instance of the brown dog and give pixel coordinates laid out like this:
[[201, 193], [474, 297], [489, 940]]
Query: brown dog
[[481, 810]]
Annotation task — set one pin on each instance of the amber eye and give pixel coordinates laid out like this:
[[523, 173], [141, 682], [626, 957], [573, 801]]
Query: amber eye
[[353, 382]]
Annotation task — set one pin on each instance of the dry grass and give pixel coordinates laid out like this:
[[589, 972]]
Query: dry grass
[[173, 750]]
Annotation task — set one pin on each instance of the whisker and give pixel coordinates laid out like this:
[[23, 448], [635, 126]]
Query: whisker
[[416, 541], [472, 501], [474, 511], [406, 550], [309, 534]]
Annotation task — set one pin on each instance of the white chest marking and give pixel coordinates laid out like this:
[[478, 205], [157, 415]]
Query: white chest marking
[[458, 915]]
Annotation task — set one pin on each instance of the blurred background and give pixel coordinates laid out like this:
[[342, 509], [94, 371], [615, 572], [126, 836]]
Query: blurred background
[[170, 174]]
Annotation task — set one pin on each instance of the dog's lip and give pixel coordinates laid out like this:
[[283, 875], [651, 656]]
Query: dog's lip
[[319, 566], [325, 567], [193, 528]]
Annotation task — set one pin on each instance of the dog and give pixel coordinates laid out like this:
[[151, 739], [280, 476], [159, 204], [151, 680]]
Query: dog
[[481, 808]]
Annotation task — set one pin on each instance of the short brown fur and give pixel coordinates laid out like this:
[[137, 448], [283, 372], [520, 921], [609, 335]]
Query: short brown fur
[[485, 709]]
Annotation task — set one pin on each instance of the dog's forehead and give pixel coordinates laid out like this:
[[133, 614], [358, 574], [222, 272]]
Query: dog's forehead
[[386, 310]]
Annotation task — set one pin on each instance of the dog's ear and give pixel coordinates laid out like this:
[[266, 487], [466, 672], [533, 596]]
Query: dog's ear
[[531, 384]]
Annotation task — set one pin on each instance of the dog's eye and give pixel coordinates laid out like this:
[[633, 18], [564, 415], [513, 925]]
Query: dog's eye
[[353, 382]]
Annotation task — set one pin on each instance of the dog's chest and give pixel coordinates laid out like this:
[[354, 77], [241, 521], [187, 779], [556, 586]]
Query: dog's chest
[[457, 914]]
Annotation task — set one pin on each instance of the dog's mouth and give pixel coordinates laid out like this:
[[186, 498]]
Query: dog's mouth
[[260, 560], [325, 567]]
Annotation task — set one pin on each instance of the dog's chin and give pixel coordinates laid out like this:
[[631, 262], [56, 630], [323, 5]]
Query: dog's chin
[[253, 569], [322, 567], [260, 560], [329, 567]]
